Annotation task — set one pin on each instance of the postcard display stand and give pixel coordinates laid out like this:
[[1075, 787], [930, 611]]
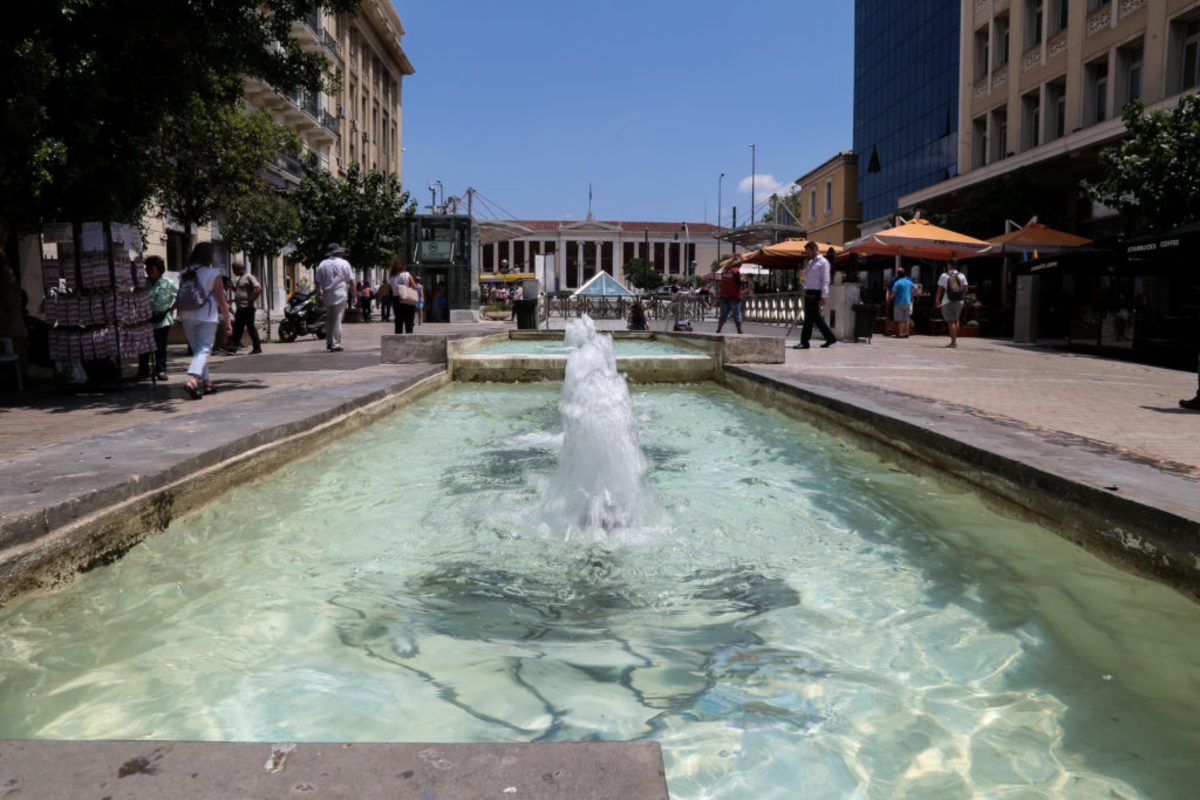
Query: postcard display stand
[[96, 300]]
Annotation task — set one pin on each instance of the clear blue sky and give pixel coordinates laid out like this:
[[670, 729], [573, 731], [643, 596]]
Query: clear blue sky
[[649, 101]]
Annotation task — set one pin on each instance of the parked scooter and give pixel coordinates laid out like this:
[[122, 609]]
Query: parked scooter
[[302, 316]]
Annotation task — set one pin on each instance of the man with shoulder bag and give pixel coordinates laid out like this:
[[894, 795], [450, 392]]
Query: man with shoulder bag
[[246, 291]]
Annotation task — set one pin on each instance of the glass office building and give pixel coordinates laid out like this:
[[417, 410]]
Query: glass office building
[[905, 99]]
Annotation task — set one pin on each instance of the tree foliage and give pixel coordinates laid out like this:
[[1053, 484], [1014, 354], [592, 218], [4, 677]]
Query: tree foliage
[[208, 159], [366, 212], [1153, 177], [261, 221], [640, 273], [87, 85], [789, 206]]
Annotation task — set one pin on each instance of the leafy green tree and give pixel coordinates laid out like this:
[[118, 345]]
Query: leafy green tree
[[88, 84], [260, 222], [208, 159], [1153, 177], [789, 210], [640, 273], [366, 212]]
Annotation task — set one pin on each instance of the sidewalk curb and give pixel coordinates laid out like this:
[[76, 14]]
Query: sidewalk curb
[[1152, 527], [51, 545]]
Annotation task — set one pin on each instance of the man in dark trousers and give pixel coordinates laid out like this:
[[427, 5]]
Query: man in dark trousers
[[246, 291], [816, 289]]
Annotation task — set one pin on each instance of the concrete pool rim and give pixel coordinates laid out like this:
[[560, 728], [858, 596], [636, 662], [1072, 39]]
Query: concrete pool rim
[[1133, 513]]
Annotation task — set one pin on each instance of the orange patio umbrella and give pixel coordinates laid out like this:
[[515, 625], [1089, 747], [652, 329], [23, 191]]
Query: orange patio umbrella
[[785, 255], [1034, 237], [918, 238]]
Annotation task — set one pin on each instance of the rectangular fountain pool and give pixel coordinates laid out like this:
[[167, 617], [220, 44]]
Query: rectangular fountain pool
[[789, 616]]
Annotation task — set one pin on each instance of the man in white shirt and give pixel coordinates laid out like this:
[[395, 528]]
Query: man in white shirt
[[335, 287], [816, 289], [952, 288]]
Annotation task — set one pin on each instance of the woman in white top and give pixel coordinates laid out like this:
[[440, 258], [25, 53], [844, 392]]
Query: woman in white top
[[399, 276], [200, 324]]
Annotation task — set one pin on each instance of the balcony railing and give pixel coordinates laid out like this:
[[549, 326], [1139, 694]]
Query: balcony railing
[[329, 122]]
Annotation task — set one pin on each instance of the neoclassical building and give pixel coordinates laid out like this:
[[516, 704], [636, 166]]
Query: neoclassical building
[[578, 249]]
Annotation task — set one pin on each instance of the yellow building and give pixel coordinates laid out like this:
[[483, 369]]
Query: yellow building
[[1043, 84], [829, 207]]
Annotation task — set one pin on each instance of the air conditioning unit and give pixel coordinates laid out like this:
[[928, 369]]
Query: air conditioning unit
[[366, 137], [341, 113], [353, 124]]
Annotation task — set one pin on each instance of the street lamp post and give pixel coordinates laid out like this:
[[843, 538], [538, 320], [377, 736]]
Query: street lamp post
[[753, 153], [432, 198], [721, 178], [687, 244], [443, 194]]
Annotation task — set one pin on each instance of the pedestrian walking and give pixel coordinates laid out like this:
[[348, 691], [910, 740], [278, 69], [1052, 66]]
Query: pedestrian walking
[[161, 292], [816, 290], [901, 298], [952, 288], [399, 276], [420, 298], [202, 304], [364, 301], [1194, 403], [384, 296], [517, 296], [246, 291], [730, 292], [335, 287]]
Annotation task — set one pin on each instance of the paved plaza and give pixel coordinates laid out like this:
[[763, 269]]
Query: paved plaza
[[1128, 406]]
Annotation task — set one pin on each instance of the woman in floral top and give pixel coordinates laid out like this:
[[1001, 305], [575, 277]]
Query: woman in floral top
[[162, 291]]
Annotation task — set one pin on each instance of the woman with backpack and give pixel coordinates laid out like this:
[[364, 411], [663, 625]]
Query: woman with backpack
[[201, 303]]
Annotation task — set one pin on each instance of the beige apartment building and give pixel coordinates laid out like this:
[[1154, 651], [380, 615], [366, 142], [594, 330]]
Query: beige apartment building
[[1043, 84], [361, 122], [829, 207]]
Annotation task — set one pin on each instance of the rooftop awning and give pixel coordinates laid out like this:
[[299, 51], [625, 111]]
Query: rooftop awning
[[758, 234], [918, 238], [1034, 237], [788, 254], [492, 231]]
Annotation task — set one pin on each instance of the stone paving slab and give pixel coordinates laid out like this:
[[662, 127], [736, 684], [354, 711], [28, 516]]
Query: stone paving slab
[[205, 770]]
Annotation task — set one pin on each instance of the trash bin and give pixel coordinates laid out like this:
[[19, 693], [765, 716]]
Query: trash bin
[[526, 311], [864, 320]]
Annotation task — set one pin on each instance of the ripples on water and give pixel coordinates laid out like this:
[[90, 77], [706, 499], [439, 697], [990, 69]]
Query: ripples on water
[[798, 619]]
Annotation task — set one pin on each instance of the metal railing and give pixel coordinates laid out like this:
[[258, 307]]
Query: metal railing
[[782, 309], [689, 307]]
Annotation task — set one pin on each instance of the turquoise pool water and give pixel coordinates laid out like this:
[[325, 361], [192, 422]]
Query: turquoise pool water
[[623, 347], [789, 616]]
